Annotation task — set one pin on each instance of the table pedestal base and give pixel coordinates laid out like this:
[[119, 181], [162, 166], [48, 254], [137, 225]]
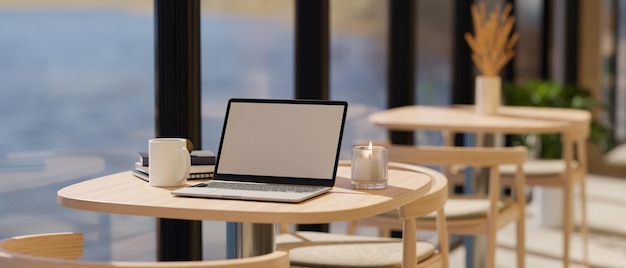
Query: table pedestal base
[[251, 239], [179, 240]]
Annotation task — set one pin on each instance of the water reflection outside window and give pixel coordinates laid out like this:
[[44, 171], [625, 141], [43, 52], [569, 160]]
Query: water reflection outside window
[[77, 96]]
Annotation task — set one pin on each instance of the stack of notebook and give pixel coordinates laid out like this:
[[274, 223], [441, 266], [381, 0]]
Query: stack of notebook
[[202, 165]]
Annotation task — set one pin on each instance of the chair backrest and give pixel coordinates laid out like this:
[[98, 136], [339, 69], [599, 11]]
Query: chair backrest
[[448, 156], [445, 157], [61, 250], [469, 156], [433, 201], [574, 144]]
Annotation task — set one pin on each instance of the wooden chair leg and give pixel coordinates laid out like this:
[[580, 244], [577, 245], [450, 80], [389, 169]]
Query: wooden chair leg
[[409, 250], [583, 225], [490, 260], [384, 232], [444, 244], [567, 222], [351, 227], [521, 242]]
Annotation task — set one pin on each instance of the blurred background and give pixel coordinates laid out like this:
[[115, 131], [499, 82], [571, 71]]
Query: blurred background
[[77, 91]]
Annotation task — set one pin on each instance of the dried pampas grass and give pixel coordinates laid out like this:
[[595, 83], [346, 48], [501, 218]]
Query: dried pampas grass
[[492, 44]]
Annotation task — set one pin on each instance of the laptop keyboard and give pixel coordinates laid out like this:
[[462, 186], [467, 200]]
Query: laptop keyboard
[[261, 187]]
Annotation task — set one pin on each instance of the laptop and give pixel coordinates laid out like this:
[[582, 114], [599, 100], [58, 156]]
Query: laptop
[[276, 150]]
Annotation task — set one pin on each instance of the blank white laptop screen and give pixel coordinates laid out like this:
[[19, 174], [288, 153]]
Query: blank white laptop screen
[[292, 140]]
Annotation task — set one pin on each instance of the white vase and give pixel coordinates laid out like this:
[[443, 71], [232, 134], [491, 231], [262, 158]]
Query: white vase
[[487, 94]]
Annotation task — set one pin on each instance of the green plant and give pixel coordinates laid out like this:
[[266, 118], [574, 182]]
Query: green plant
[[552, 94]]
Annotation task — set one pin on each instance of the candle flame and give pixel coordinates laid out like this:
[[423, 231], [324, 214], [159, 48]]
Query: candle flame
[[369, 151], [370, 147]]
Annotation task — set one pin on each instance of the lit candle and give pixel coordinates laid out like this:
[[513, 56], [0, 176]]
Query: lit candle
[[369, 167]]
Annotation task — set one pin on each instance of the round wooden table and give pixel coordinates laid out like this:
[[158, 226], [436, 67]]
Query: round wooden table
[[463, 118], [122, 193]]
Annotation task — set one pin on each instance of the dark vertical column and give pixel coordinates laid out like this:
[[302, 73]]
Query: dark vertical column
[[463, 90], [311, 49], [571, 42], [177, 95], [619, 104], [508, 72], [546, 37], [612, 95], [401, 65], [462, 66], [311, 60], [401, 61]]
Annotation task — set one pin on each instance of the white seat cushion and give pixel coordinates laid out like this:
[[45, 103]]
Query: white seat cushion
[[461, 208], [617, 156], [383, 254], [317, 237], [305, 238], [538, 167], [468, 208]]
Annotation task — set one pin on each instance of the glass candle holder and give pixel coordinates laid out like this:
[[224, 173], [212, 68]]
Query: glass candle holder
[[369, 167]]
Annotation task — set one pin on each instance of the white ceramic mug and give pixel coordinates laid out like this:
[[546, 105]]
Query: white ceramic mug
[[168, 161]]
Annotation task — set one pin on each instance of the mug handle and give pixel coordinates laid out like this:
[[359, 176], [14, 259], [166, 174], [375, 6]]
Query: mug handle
[[186, 162]]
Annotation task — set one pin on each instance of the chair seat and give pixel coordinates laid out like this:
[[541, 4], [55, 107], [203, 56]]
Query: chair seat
[[340, 250], [616, 156], [461, 209], [307, 238], [539, 167], [384, 254]]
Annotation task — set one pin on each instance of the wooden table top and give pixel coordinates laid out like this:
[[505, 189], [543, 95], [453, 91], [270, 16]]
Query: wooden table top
[[463, 118], [122, 193]]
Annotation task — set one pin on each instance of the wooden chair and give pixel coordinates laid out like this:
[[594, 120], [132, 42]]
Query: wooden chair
[[315, 249], [564, 173], [476, 215], [61, 250]]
